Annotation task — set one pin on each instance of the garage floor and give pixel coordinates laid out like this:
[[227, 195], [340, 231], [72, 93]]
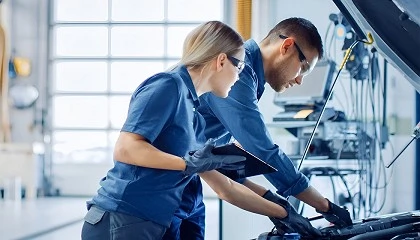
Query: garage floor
[[62, 218]]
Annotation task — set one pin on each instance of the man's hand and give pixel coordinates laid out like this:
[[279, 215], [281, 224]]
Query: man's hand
[[203, 160], [294, 222], [337, 215]]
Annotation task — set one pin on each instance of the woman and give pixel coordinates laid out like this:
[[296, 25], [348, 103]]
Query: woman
[[138, 200]]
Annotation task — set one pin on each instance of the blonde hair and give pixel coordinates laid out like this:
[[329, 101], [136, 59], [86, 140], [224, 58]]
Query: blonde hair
[[207, 41]]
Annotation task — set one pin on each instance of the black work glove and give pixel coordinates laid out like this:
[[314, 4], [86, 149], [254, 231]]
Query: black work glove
[[294, 222], [203, 160], [337, 215]]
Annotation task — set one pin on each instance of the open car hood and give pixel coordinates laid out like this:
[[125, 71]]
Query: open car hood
[[395, 27]]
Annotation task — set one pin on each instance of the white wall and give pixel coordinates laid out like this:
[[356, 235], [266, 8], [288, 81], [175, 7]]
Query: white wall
[[28, 35], [25, 22]]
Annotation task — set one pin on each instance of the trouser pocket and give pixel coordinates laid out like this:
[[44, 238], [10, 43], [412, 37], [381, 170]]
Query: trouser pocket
[[124, 226], [94, 215], [96, 225]]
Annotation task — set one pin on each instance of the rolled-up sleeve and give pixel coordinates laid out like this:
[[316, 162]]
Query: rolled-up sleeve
[[240, 116]]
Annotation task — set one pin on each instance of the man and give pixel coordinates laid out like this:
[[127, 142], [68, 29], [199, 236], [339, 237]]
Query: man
[[282, 59]]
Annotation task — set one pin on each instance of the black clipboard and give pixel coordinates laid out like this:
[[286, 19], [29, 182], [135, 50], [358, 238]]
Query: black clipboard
[[253, 165]]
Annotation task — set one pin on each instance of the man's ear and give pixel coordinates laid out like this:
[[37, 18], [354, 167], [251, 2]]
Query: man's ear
[[286, 46], [220, 61]]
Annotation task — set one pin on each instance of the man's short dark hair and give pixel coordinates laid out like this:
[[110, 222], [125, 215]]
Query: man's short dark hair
[[300, 28]]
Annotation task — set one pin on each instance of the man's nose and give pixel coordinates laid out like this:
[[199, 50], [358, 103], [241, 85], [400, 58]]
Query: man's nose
[[299, 80]]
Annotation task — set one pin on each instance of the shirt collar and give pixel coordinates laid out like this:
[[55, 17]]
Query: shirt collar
[[254, 58], [185, 76]]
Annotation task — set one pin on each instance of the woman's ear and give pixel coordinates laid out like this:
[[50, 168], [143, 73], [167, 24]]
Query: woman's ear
[[220, 61]]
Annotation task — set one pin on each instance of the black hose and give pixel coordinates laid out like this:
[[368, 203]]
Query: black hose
[[387, 233]]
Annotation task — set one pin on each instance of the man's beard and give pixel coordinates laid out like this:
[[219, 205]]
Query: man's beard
[[276, 79]]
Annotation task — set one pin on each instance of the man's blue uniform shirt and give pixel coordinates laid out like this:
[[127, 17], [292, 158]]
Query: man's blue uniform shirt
[[162, 109], [238, 116]]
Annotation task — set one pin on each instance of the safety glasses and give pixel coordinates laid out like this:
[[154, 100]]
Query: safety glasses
[[239, 64], [305, 67]]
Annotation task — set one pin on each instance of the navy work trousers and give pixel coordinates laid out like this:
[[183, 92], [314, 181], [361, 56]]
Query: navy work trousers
[[188, 222], [103, 225]]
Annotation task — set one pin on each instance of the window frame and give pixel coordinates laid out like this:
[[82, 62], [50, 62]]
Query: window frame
[[108, 59]]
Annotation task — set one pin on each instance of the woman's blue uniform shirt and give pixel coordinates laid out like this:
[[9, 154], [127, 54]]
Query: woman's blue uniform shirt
[[238, 116], [162, 109]]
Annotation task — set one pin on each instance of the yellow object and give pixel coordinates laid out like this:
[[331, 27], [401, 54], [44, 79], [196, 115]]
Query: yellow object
[[348, 51], [22, 66], [369, 38], [5, 126], [244, 18], [303, 113]]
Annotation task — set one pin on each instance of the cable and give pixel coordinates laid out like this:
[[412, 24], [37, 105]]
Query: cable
[[346, 96], [333, 189], [374, 171], [380, 169], [411, 236], [347, 188], [353, 99], [330, 171], [326, 39]]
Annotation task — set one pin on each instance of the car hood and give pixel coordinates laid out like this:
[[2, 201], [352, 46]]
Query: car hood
[[395, 28]]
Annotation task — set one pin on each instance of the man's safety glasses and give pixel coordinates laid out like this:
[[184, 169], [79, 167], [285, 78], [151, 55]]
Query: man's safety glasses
[[305, 68]]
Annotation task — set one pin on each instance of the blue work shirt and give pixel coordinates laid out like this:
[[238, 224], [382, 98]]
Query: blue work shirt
[[162, 109], [238, 116]]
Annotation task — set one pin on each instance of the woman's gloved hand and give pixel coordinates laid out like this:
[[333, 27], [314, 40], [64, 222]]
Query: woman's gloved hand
[[204, 160], [294, 222]]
